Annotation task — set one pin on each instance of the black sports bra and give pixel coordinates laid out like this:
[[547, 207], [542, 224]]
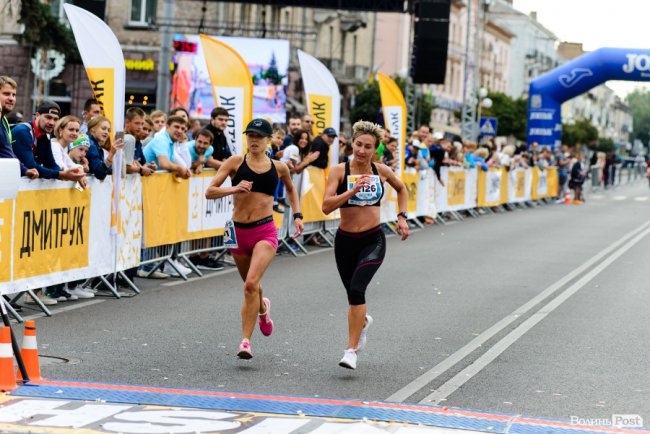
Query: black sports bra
[[343, 186], [265, 183]]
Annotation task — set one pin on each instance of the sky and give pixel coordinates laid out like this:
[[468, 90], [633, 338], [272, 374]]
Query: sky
[[596, 24]]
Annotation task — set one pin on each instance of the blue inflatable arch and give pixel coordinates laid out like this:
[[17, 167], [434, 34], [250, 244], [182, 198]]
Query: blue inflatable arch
[[549, 91]]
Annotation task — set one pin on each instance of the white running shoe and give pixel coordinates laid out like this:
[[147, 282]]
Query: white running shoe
[[81, 292], [349, 359], [168, 269], [363, 337]]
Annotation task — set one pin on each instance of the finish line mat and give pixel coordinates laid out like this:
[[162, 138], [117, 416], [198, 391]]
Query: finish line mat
[[63, 406]]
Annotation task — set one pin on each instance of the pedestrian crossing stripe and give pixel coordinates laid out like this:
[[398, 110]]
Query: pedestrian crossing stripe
[[641, 198]]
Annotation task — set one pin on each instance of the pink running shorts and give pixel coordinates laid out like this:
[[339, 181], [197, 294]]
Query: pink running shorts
[[248, 237]]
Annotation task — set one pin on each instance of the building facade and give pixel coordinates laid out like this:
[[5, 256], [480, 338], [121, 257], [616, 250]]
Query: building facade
[[343, 40]]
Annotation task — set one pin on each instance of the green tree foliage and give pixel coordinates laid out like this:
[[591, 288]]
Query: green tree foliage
[[582, 132], [511, 114], [639, 102], [44, 30], [367, 104], [604, 144]]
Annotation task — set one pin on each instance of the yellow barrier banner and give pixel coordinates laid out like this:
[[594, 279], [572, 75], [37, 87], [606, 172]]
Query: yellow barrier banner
[[393, 106], [52, 233], [544, 182], [411, 181], [456, 188], [176, 209], [311, 189], [492, 187], [520, 185]]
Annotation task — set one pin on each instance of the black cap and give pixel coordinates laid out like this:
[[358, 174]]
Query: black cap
[[329, 131], [259, 126], [47, 106]]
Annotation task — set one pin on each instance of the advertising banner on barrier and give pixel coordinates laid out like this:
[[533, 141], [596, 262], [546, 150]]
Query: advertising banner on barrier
[[53, 233], [129, 239], [544, 182], [232, 86], [311, 189], [520, 184], [176, 210], [323, 99], [492, 187], [457, 191], [426, 205], [410, 178]]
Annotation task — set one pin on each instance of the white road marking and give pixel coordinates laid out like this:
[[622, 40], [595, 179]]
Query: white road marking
[[619, 198], [641, 198], [596, 196], [489, 356], [426, 378]]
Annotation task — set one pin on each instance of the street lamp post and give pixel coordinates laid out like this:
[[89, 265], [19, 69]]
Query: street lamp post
[[483, 102]]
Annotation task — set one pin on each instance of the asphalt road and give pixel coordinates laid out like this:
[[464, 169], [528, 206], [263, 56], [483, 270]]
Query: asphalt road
[[541, 312]]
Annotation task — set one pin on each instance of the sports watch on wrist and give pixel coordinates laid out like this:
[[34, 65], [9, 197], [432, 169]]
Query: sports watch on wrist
[[402, 214], [297, 215]]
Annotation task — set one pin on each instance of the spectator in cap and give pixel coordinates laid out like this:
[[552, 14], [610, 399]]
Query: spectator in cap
[[7, 103], [77, 151], [32, 146], [322, 145]]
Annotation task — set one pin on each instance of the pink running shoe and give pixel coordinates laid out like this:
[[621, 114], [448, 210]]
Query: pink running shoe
[[245, 350], [266, 323]]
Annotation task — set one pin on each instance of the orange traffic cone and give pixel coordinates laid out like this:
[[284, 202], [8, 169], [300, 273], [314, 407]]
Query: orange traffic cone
[[30, 353], [7, 376], [567, 197]]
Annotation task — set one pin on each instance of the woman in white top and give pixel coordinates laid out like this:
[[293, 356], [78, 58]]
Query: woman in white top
[[66, 131]]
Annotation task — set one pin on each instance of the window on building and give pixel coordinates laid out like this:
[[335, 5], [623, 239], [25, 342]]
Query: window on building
[[142, 13]]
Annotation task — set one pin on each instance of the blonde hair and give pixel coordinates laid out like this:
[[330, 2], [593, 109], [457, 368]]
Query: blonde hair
[[96, 121], [148, 120], [508, 150], [63, 122], [364, 127], [8, 80], [157, 114], [280, 132]]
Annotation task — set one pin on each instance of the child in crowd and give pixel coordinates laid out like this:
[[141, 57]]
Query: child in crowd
[[77, 151]]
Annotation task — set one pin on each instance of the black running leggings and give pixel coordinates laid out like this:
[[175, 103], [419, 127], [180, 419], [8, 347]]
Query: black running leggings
[[358, 257]]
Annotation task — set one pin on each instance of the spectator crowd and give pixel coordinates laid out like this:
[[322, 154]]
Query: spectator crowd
[[55, 145]]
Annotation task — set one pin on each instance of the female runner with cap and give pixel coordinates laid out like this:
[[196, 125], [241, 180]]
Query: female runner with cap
[[254, 179], [356, 187]]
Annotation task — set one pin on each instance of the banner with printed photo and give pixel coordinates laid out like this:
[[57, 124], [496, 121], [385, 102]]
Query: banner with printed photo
[[232, 86], [544, 182], [426, 205], [458, 190], [59, 234], [323, 99], [130, 226], [267, 61], [492, 187], [520, 185], [411, 178]]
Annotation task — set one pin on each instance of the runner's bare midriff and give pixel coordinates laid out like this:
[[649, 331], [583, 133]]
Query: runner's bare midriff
[[251, 207]]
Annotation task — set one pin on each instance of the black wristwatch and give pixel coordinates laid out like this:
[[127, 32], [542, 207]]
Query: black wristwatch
[[402, 214], [297, 215]]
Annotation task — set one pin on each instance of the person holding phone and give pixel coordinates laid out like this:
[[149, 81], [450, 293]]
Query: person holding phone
[[255, 240], [102, 152], [356, 188]]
